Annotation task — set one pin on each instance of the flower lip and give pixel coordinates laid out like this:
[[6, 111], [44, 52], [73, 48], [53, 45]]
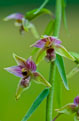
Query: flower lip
[[25, 82], [76, 100], [50, 54], [49, 51]]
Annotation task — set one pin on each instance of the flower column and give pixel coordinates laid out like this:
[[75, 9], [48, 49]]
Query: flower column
[[49, 103]]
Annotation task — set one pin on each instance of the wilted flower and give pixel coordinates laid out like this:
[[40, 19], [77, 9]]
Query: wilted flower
[[71, 108], [26, 69]]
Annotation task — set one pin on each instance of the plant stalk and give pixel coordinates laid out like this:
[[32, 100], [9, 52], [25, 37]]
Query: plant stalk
[[49, 103]]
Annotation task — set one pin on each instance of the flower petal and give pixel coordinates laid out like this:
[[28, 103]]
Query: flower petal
[[19, 60], [30, 65], [39, 44], [16, 70], [76, 100], [23, 84], [16, 16], [52, 40], [40, 79], [55, 40]]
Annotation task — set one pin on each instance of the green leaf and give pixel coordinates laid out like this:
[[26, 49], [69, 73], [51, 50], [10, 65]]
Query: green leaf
[[63, 52], [64, 14], [29, 26], [76, 118], [42, 6], [61, 69], [73, 72], [49, 28], [36, 103], [33, 13], [76, 56], [40, 79], [35, 50], [40, 55], [58, 88]]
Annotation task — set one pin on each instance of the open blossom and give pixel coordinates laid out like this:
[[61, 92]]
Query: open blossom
[[48, 44], [71, 108], [26, 70], [23, 23], [18, 17], [49, 47]]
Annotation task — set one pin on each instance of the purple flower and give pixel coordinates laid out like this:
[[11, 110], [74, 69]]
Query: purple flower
[[76, 101], [71, 108], [48, 44], [26, 70], [15, 16], [23, 23], [18, 17]]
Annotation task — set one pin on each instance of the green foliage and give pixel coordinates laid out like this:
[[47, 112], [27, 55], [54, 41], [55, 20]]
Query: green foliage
[[49, 28], [76, 56], [76, 118], [63, 52], [36, 12], [36, 103], [73, 72], [28, 25], [64, 13], [61, 69], [58, 88], [40, 55]]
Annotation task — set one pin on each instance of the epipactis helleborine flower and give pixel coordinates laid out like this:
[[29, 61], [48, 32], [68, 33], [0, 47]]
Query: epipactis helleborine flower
[[26, 70], [71, 108], [18, 17], [49, 46], [23, 23]]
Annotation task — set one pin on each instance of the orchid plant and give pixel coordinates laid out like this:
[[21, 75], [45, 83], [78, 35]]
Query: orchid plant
[[49, 47]]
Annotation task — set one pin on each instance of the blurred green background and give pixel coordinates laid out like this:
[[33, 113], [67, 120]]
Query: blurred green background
[[12, 42]]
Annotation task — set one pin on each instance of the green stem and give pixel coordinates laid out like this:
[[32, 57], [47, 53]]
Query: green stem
[[49, 103], [43, 5], [45, 2], [58, 17]]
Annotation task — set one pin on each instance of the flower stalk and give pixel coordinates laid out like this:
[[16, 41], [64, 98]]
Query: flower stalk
[[49, 103]]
